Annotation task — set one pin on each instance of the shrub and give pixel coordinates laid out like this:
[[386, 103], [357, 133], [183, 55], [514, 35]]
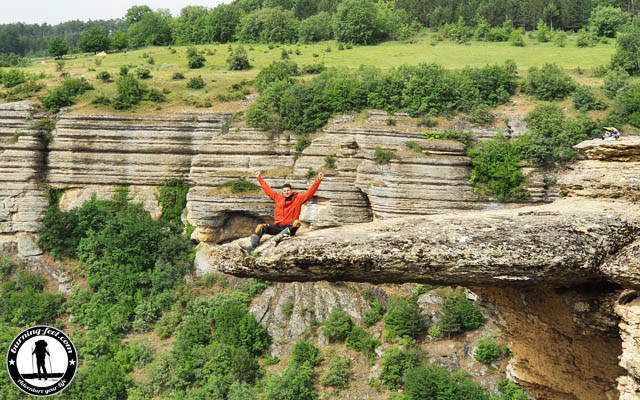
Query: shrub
[[512, 391], [296, 383], [481, 115], [487, 350], [338, 373], [305, 352], [276, 71], [516, 38], [13, 77], [238, 59], [337, 326], [584, 99], [63, 95], [177, 76], [269, 25], [313, 68], [395, 364], [130, 92], [361, 341], [403, 318], [236, 327], [194, 58], [584, 38], [614, 80], [496, 169], [143, 73], [104, 76], [459, 314], [196, 82], [560, 38], [548, 83], [433, 382], [241, 391], [373, 314], [330, 161], [241, 186], [383, 156], [606, 20], [497, 34], [316, 28], [542, 32]]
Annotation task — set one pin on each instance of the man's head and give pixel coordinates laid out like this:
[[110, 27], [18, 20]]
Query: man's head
[[286, 190]]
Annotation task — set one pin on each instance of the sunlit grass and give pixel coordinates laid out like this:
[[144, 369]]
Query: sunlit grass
[[386, 55]]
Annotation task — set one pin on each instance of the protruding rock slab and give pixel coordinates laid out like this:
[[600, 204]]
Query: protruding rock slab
[[626, 149], [564, 243]]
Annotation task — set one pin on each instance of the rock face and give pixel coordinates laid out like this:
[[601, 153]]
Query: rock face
[[629, 311], [92, 154]]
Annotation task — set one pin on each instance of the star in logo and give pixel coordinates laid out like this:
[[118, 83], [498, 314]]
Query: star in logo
[[12, 362], [72, 362]]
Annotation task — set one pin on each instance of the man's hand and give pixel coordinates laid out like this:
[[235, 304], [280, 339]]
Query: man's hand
[[321, 175], [258, 174]]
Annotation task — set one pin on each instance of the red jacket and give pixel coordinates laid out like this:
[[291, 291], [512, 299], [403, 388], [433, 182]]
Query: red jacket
[[288, 211]]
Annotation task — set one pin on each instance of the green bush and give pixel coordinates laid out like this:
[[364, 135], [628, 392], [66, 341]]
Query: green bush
[[330, 161], [459, 314], [196, 82], [13, 77], [373, 314], [511, 391], [606, 20], [584, 38], [313, 68], [103, 379], [194, 58], [584, 99], [361, 341], [395, 364], [6, 265], [177, 76], [383, 156], [433, 382], [487, 350], [516, 38], [22, 304], [316, 28], [542, 32], [276, 71], [296, 383], [481, 115], [497, 34], [337, 326], [130, 92], [305, 352], [143, 73], [548, 83], [403, 318], [269, 25], [356, 21], [238, 59], [615, 80], [172, 197], [560, 38], [241, 391], [241, 186], [496, 169], [338, 373], [236, 327], [63, 95], [104, 76]]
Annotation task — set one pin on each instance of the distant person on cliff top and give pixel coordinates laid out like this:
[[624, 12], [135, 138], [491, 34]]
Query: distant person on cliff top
[[610, 133], [288, 207]]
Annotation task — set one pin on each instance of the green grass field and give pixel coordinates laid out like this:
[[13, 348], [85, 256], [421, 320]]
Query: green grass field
[[385, 55]]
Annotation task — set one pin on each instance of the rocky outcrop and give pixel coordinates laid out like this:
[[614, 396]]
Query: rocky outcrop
[[568, 242], [629, 311]]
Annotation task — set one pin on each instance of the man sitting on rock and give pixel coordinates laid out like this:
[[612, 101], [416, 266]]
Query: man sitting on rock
[[287, 211]]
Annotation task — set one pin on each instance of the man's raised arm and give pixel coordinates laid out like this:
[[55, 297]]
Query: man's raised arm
[[312, 190], [265, 186]]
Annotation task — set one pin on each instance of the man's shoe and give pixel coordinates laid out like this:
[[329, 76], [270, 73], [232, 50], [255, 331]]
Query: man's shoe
[[284, 235], [248, 250]]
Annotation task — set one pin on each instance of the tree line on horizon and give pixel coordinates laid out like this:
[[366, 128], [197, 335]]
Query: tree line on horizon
[[305, 21]]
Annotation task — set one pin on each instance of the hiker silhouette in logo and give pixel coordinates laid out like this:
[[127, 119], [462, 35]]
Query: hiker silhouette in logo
[[41, 353]]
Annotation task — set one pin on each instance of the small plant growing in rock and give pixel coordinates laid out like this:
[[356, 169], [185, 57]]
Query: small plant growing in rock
[[330, 161], [383, 156], [287, 310], [413, 146], [487, 351], [310, 174], [391, 122]]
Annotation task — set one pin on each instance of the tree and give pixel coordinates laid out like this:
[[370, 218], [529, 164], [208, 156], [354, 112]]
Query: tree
[[605, 21], [355, 21], [152, 30], [94, 40], [58, 47], [627, 55], [135, 13], [223, 21], [119, 40]]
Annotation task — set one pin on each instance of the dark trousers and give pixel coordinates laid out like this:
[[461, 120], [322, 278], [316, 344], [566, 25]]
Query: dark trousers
[[274, 229]]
